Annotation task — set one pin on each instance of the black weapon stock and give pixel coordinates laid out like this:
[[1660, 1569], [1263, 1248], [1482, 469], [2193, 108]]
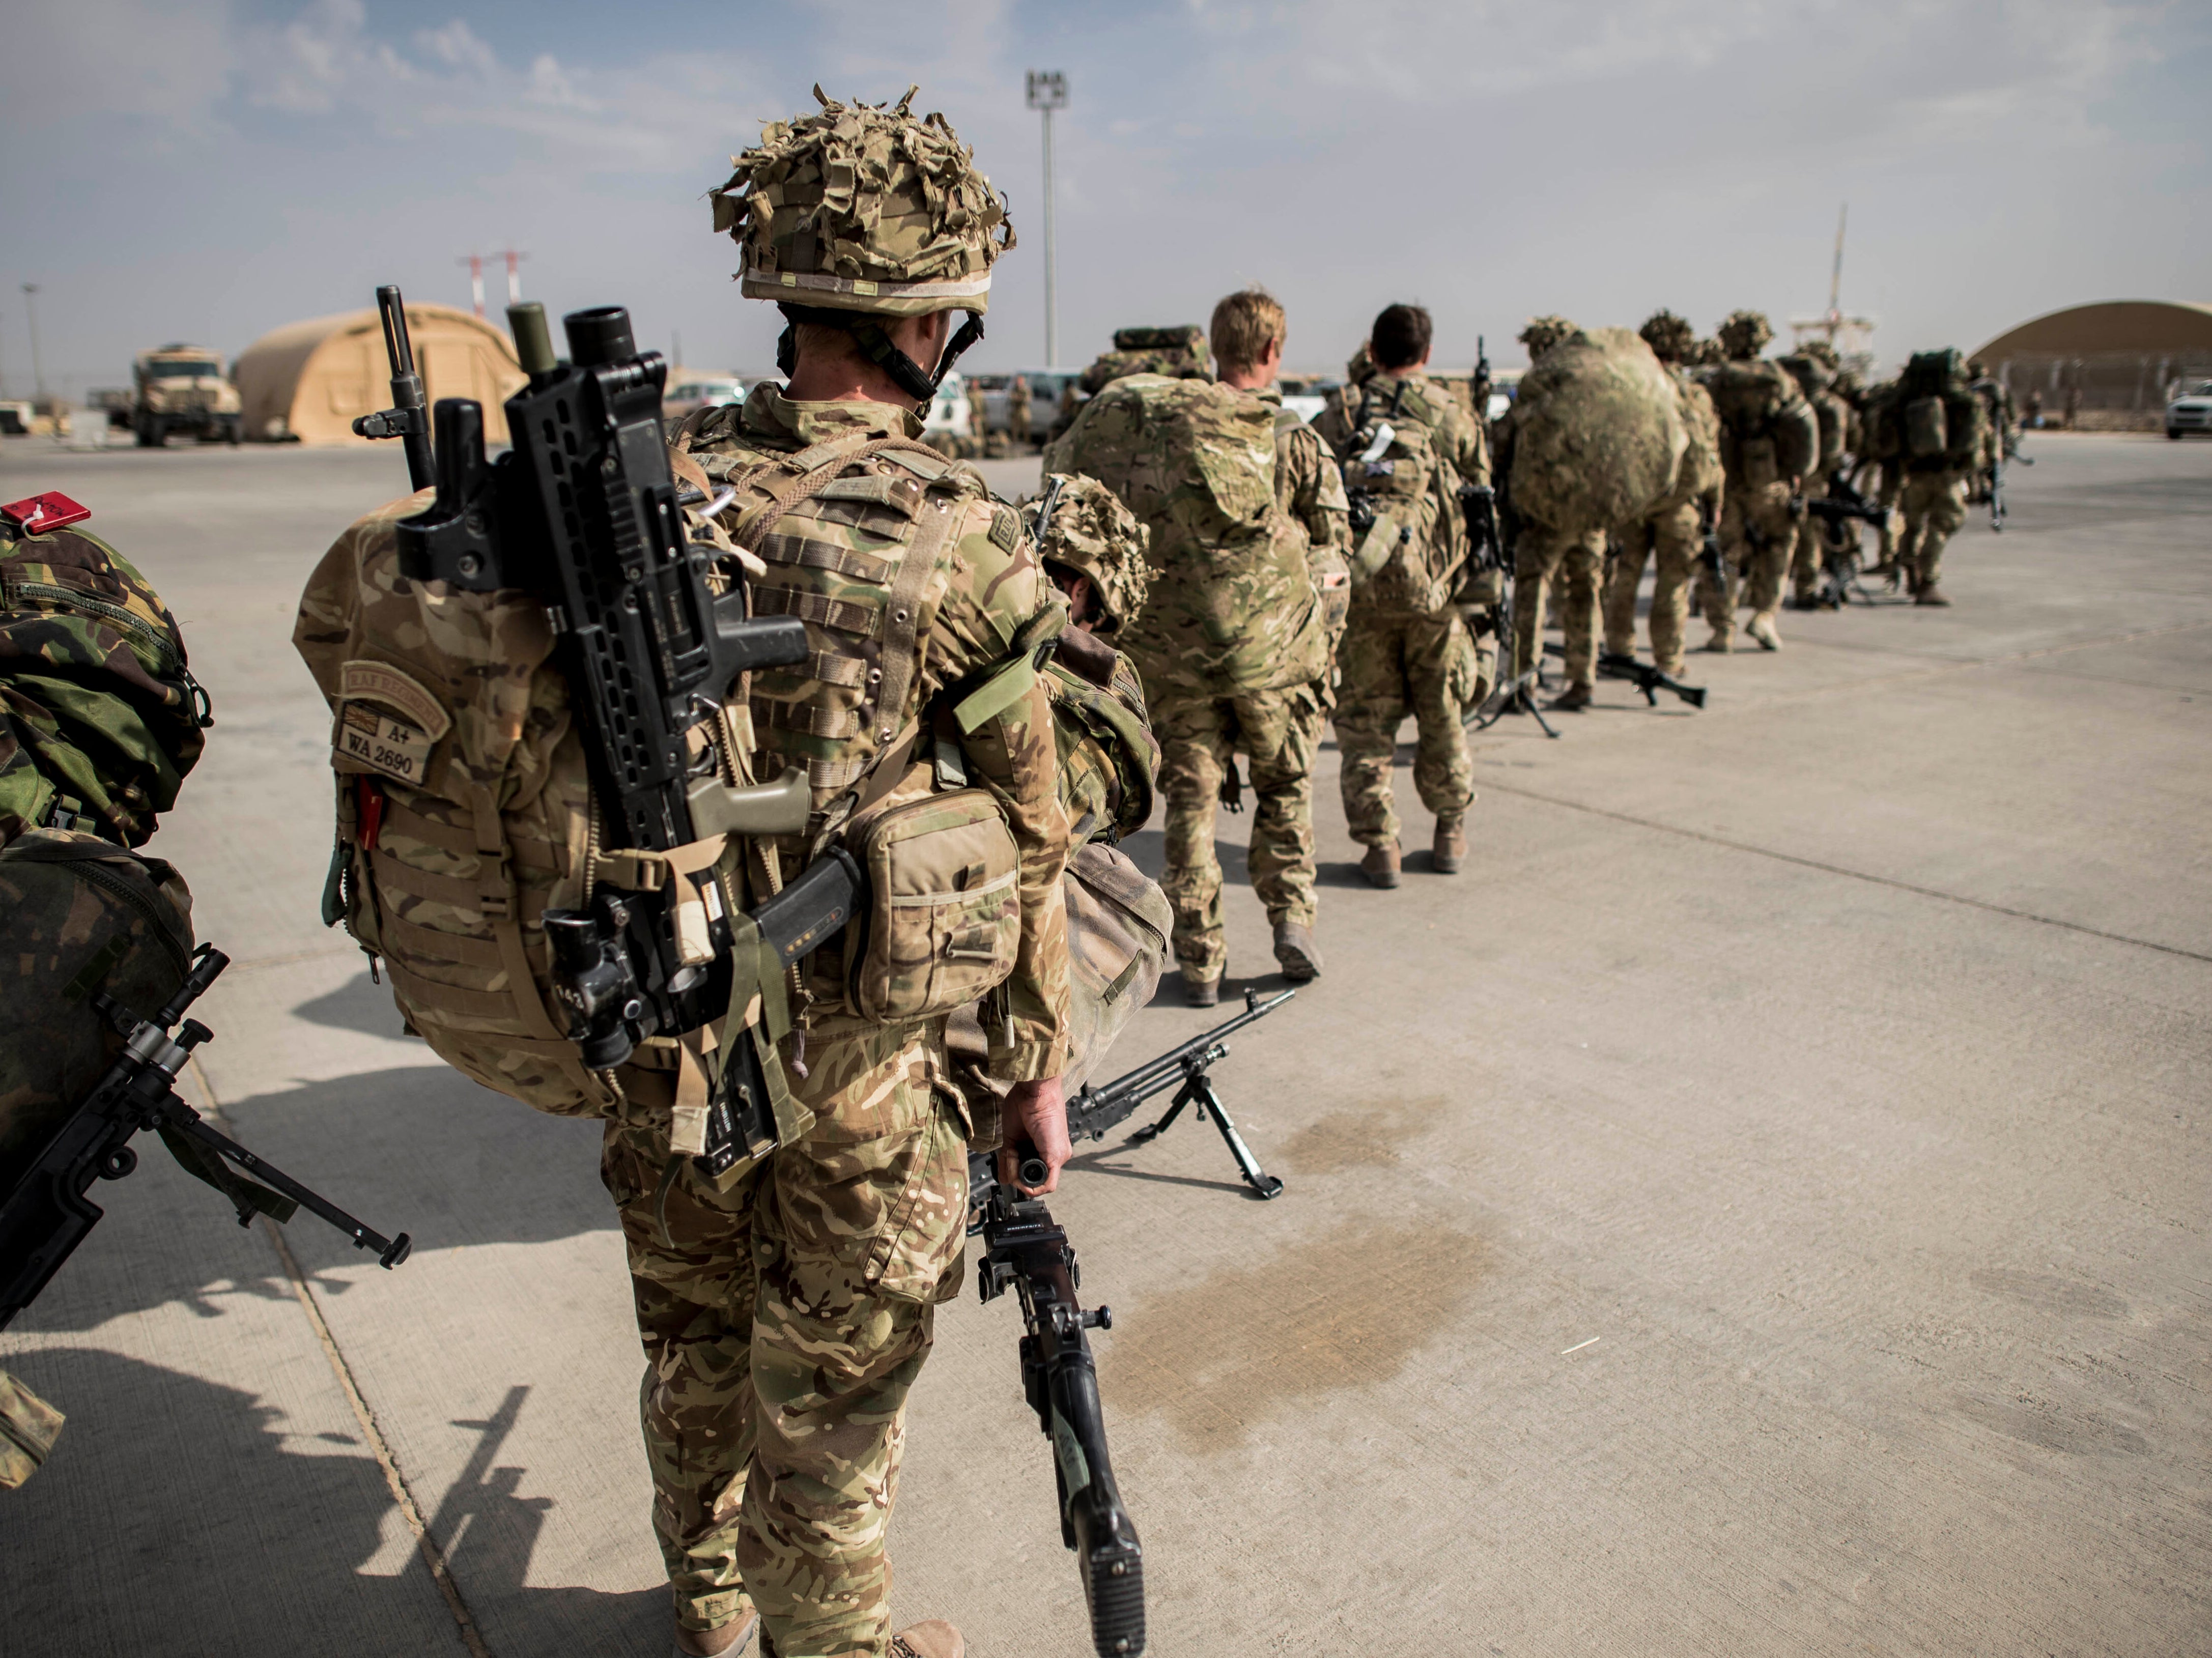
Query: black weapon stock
[[1097, 1109], [45, 1215], [584, 514], [1611, 665], [1026, 1251]]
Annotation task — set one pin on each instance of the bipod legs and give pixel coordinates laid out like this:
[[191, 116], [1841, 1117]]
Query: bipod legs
[[1199, 1091]]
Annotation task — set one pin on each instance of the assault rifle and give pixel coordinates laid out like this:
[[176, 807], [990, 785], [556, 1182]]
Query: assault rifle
[[1611, 665], [1842, 506], [1486, 537], [45, 1215], [1026, 1251], [583, 514], [1095, 1110]]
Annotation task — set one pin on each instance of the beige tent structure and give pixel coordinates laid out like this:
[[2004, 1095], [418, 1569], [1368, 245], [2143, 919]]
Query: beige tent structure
[[308, 381], [2121, 355]]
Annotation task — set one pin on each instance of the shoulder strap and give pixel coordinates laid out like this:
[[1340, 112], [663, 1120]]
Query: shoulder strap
[[815, 467]]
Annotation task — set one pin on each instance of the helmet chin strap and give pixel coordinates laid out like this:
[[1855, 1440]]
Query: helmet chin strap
[[868, 333]]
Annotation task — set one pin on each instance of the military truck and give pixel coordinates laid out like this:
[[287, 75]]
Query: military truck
[[182, 388]]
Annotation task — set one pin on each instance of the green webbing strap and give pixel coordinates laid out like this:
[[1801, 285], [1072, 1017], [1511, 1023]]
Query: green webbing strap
[[1009, 682]]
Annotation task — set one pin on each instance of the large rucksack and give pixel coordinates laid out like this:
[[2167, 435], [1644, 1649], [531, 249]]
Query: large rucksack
[[1598, 434], [1404, 490], [100, 715], [1940, 420], [1768, 431]]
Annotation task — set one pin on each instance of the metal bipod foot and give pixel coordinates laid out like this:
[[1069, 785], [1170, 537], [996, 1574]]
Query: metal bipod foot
[[1199, 1091]]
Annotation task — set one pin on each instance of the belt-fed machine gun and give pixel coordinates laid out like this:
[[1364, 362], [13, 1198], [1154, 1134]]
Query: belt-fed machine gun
[[44, 1213]]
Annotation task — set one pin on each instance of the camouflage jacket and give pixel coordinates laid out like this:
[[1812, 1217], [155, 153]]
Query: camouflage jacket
[[834, 560], [1234, 603], [97, 706], [1109, 759], [1460, 442]]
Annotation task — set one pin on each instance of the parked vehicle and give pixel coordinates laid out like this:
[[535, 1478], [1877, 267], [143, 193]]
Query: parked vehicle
[[695, 392], [2190, 412], [946, 424], [182, 388]]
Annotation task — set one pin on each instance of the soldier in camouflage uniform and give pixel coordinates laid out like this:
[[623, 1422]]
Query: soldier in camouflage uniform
[[1246, 516], [1815, 375], [1770, 440], [786, 1319], [1999, 428], [1408, 648], [1541, 556], [1673, 534]]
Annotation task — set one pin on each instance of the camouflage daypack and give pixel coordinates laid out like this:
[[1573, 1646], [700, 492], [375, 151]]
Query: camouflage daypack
[[99, 716], [1179, 353], [1410, 537]]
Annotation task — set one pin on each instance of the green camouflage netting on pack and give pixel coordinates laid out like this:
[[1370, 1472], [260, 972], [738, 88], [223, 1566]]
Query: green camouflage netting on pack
[[858, 207], [97, 707], [1598, 434]]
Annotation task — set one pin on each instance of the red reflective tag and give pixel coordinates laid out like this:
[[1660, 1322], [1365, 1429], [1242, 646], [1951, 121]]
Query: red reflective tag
[[50, 511], [372, 812]]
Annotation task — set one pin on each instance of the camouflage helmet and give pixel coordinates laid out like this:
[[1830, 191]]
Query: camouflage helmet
[[1542, 333], [860, 207], [1359, 369], [1745, 334], [1978, 368], [1090, 532], [1670, 338]]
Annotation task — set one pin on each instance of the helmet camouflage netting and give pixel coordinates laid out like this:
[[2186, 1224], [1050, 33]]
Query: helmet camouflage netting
[[1093, 534], [1542, 333], [1670, 338], [1745, 333], [862, 207]]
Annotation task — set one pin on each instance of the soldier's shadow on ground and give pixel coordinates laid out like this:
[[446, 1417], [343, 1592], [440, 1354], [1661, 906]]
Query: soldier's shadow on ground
[[360, 1004], [234, 1536]]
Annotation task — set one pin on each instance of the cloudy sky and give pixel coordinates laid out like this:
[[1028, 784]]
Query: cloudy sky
[[209, 170]]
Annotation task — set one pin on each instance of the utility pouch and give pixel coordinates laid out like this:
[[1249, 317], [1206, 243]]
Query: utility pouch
[[1927, 433], [943, 915]]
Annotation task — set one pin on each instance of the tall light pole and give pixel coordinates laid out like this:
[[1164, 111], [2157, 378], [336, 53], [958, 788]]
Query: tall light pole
[[1049, 92], [31, 316]]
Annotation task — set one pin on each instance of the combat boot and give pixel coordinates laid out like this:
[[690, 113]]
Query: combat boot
[[934, 1639], [1572, 700], [1449, 850], [726, 1642], [1200, 993], [1720, 642], [1931, 594], [1380, 866], [1297, 953], [1761, 628]]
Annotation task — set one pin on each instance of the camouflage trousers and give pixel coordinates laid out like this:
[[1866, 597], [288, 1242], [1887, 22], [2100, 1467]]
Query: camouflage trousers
[[1396, 663], [1578, 563], [784, 1321], [1891, 486], [1200, 734], [1808, 553], [1675, 540], [1758, 536], [1934, 509]]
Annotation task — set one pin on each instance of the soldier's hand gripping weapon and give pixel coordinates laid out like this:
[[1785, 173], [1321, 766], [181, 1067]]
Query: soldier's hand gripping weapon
[[1095, 1110], [1024, 1250], [45, 1214], [1611, 665], [584, 514]]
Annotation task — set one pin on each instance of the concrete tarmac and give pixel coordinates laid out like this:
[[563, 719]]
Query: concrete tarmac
[[1760, 1206]]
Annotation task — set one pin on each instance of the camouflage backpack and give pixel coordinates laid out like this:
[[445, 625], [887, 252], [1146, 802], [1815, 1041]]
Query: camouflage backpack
[[1768, 431], [99, 716], [1404, 495], [1940, 421], [1598, 434], [1179, 353]]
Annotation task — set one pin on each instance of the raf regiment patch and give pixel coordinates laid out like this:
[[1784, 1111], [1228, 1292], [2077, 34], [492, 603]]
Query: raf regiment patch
[[370, 733]]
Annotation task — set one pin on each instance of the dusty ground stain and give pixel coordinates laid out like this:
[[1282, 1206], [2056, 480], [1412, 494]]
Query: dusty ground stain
[[1366, 1136], [2069, 1298], [1325, 1315], [2037, 1425]]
